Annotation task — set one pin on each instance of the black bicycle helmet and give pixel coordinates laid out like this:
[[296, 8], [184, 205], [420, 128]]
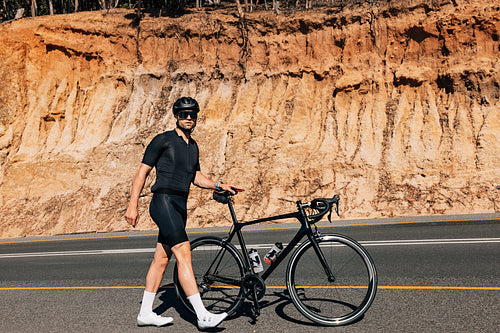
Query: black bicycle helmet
[[186, 103]]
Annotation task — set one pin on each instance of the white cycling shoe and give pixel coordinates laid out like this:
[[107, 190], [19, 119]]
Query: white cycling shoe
[[211, 320], [153, 319]]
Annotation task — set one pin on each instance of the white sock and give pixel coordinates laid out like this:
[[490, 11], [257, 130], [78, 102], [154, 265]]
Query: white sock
[[198, 306], [147, 303]]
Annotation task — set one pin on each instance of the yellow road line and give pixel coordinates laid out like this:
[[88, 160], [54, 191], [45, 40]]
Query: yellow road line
[[379, 287], [108, 237], [72, 288], [438, 288], [267, 287], [81, 287], [75, 238]]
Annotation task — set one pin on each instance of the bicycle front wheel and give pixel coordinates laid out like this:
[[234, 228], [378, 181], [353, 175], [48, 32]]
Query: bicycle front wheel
[[338, 302], [218, 270]]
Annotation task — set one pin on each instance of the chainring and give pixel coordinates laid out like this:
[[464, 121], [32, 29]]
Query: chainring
[[254, 281]]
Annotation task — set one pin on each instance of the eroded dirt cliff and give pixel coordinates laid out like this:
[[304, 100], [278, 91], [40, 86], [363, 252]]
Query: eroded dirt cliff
[[394, 106]]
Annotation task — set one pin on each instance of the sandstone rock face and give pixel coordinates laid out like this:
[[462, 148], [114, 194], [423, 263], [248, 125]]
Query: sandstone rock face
[[395, 107]]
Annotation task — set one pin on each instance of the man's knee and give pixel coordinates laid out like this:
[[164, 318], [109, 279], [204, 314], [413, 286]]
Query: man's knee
[[161, 261], [182, 251], [162, 255], [182, 246]]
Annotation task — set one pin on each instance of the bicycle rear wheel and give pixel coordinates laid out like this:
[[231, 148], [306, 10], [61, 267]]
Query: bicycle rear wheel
[[332, 303], [218, 270]]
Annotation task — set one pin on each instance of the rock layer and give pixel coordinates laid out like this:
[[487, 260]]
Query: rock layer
[[394, 106]]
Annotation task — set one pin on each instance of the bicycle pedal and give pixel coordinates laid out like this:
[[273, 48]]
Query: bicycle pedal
[[255, 313]]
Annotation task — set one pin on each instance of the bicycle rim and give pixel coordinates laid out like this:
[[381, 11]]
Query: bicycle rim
[[218, 270], [332, 303]]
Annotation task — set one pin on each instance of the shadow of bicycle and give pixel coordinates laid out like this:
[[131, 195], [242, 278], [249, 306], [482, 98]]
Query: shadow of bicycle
[[287, 310], [280, 300]]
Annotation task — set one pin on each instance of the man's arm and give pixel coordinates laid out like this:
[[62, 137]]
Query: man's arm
[[203, 181], [132, 214]]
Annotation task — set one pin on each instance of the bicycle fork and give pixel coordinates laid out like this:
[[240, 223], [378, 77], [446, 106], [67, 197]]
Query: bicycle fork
[[319, 253]]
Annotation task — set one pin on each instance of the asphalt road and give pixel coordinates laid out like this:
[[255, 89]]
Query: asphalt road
[[442, 276]]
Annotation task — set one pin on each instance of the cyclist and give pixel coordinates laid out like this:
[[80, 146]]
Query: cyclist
[[175, 155]]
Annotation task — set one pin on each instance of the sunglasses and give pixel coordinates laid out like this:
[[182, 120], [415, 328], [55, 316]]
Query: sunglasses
[[185, 114]]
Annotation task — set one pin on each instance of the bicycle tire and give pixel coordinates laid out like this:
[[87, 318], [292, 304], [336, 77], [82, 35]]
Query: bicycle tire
[[215, 263], [332, 303]]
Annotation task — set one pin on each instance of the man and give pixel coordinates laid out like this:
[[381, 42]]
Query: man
[[176, 158]]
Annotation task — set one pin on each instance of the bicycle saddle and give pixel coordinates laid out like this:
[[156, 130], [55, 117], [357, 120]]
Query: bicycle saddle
[[221, 196]]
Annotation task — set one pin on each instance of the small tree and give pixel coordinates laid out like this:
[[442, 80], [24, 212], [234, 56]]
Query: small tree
[[3, 11], [276, 6], [34, 8], [51, 8]]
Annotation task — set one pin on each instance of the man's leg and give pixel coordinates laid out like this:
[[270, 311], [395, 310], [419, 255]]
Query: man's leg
[[157, 268], [153, 280], [185, 273]]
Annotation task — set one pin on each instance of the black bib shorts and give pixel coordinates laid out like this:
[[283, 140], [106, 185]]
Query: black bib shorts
[[169, 212]]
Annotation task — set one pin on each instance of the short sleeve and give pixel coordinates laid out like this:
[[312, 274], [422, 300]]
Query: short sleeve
[[154, 150], [197, 167]]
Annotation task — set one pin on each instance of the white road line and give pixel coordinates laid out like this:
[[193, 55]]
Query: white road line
[[74, 253], [256, 246], [432, 241]]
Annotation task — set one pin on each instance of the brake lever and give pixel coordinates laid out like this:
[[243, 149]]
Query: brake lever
[[336, 199]]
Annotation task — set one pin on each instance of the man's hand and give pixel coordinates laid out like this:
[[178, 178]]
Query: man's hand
[[204, 182], [231, 188], [132, 216]]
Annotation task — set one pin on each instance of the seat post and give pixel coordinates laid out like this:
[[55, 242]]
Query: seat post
[[231, 210]]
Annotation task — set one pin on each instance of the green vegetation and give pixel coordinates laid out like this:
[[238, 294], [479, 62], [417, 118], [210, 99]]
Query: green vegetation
[[10, 8]]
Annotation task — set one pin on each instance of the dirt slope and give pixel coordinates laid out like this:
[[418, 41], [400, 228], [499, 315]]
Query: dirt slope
[[393, 106]]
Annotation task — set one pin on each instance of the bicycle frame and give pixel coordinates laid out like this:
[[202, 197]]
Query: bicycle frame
[[226, 277], [305, 230]]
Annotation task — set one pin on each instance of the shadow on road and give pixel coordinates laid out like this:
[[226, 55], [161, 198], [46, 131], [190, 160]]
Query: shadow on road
[[168, 297], [280, 300]]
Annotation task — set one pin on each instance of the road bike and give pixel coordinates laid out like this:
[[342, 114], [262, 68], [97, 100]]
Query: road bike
[[330, 278]]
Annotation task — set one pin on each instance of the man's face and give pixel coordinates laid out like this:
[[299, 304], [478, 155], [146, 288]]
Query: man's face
[[186, 120]]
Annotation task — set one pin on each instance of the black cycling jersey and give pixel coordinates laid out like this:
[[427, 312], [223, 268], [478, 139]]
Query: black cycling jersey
[[175, 160]]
